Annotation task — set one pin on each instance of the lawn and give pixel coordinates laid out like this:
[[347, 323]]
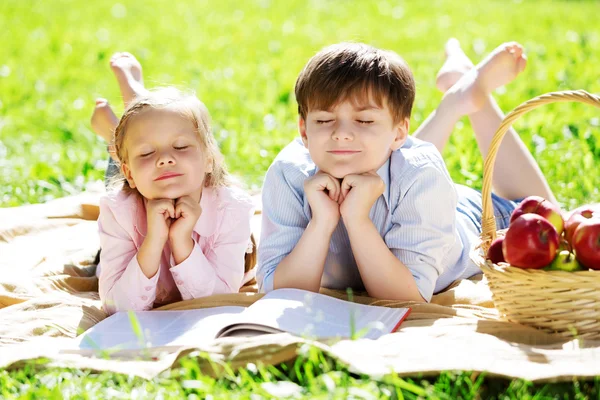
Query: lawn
[[242, 58]]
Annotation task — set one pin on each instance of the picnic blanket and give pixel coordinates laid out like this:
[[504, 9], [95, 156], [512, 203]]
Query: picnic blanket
[[49, 294]]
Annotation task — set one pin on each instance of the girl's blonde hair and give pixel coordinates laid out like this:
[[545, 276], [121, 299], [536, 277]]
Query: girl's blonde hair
[[190, 107]]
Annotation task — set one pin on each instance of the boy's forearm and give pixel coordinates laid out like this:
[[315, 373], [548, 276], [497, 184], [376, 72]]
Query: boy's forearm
[[383, 275], [303, 267]]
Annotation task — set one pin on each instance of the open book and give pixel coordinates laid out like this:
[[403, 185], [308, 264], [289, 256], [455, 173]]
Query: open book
[[299, 312]]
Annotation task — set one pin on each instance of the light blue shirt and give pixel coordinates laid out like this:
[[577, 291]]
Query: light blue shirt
[[416, 216]]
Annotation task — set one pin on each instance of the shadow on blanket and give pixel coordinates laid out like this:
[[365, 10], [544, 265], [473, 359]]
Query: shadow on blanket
[[49, 294]]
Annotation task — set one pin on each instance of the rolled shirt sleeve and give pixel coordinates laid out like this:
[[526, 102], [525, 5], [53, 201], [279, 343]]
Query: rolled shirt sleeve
[[424, 225], [283, 221]]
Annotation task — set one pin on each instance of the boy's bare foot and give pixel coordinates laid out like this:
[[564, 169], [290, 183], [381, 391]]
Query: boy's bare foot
[[456, 65], [500, 67], [104, 121], [128, 72]]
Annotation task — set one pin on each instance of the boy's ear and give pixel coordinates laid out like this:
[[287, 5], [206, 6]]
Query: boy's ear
[[127, 173], [302, 130], [401, 130]]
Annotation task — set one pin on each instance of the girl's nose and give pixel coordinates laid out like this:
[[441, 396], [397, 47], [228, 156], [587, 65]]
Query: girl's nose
[[165, 159]]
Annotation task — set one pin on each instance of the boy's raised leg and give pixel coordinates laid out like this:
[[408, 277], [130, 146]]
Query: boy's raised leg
[[516, 173], [128, 71]]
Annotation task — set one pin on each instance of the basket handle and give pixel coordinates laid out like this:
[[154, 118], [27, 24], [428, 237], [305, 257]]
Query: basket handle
[[488, 221]]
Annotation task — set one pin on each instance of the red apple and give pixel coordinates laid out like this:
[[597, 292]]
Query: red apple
[[586, 243], [530, 242], [576, 217], [495, 251], [540, 206]]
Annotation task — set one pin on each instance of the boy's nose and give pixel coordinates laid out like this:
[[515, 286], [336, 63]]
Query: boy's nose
[[342, 133]]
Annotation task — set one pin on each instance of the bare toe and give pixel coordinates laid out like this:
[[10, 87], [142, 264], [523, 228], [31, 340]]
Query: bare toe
[[452, 46]]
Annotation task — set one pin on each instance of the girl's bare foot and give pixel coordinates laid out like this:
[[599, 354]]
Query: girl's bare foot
[[104, 121], [500, 67], [128, 72], [456, 65]]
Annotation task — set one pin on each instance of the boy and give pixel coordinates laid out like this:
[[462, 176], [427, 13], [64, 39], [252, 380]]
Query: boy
[[357, 202]]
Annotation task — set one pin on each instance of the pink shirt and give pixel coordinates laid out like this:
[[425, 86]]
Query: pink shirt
[[216, 264]]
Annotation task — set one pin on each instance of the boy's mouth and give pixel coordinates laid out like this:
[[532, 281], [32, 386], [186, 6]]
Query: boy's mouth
[[343, 152]]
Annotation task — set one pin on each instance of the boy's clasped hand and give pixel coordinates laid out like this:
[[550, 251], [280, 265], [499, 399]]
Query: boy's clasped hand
[[352, 198]]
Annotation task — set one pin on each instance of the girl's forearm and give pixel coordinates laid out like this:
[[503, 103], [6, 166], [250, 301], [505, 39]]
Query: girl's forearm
[[181, 248], [148, 256]]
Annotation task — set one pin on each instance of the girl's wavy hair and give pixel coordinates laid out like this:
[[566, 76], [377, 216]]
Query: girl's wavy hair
[[188, 105]]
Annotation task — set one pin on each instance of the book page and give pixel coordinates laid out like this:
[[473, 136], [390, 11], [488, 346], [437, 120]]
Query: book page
[[313, 315], [158, 328]]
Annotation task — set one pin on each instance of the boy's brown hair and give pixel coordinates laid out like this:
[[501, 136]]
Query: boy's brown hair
[[356, 71]]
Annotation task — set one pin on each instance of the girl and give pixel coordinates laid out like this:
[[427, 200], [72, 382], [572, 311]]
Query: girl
[[176, 229]]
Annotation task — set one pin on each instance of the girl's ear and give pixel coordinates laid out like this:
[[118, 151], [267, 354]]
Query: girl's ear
[[127, 173], [302, 130], [401, 130], [208, 165]]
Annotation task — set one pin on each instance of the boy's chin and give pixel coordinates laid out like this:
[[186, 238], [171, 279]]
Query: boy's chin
[[341, 173]]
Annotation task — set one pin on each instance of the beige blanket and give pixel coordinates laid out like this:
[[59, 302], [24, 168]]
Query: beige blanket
[[48, 295]]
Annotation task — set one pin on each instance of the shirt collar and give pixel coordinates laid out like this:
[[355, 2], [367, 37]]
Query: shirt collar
[[384, 174]]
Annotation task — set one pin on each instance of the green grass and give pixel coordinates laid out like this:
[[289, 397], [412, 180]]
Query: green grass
[[312, 375], [242, 58]]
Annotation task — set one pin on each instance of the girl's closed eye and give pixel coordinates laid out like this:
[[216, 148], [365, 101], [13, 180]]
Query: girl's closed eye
[[146, 154], [364, 122], [181, 147]]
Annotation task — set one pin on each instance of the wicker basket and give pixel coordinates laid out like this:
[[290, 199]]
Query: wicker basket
[[565, 303]]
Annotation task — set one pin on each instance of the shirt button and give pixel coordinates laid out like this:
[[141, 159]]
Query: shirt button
[[148, 288], [180, 282], [144, 298]]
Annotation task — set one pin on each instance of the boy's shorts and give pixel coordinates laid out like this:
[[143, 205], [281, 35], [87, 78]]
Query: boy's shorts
[[470, 204]]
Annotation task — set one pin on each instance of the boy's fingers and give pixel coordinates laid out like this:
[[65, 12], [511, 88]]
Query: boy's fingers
[[347, 184], [333, 188], [341, 198]]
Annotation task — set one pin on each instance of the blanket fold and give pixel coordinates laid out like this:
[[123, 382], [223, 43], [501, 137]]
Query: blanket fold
[[49, 295]]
